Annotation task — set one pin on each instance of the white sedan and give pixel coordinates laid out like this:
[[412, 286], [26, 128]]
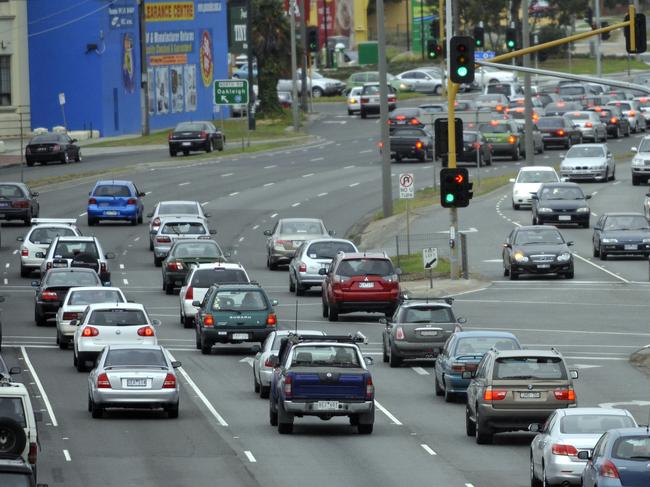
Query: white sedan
[[354, 100], [35, 243]]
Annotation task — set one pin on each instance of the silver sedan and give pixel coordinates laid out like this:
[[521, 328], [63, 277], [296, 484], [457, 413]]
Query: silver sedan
[[287, 235], [133, 376]]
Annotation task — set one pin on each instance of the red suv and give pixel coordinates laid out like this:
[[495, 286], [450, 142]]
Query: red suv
[[359, 282]]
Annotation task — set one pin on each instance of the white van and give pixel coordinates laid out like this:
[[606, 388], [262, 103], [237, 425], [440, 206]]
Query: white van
[[511, 90]]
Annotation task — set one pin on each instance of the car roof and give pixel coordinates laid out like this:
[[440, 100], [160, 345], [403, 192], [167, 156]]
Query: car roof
[[423, 303], [528, 353], [589, 145], [484, 334], [76, 238], [537, 168], [536, 227], [134, 346], [92, 288], [170, 202], [239, 285], [181, 218], [365, 255], [564, 184], [594, 410], [326, 344], [14, 465], [70, 270], [213, 265], [105, 306], [300, 220], [639, 431], [300, 332], [336, 240], [121, 182]]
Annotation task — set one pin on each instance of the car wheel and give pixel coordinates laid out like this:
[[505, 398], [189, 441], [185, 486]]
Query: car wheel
[[513, 275], [40, 320], [470, 426], [172, 411], [515, 206], [569, 274], [613, 178], [300, 289], [480, 160], [25, 271], [188, 322], [30, 163], [150, 244], [91, 221], [350, 112], [256, 384], [270, 264], [172, 153], [78, 156], [585, 224], [221, 145], [265, 391], [285, 421], [326, 310], [602, 254], [436, 385], [568, 143], [516, 154], [157, 261], [316, 92], [292, 286], [483, 436], [60, 341], [273, 414], [365, 429], [363, 114], [534, 221], [627, 132], [393, 360], [206, 348], [197, 335], [66, 158], [384, 352], [140, 218], [506, 271], [209, 146], [169, 288], [95, 410], [186, 152], [449, 396], [80, 364], [333, 312], [635, 181]]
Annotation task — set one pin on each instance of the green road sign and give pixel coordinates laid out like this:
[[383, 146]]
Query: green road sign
[[230, 92]]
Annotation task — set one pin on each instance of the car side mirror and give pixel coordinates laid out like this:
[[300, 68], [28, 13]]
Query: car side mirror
[[20, 239], [142, 194], [196, 303], [149, 215], [609, 154], [331, 232], [74, 323], [176, 364], [207, 215], [535, 427], [274, 360], [507, 245], [322, 271], [107, 284], [534, 197], [574, 373], [462, 320], [368, 360], [36, 283], [274, 302], [110, 255], [267, 233], [213, 232], [587, 196], [633, 149], [569, 243], [15, 371], [398, 271], [156, 322], [469, 374], [512, 180], [596, 227], [584, 455], [34, 193]]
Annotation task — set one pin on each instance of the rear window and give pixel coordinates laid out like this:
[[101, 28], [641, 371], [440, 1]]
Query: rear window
[[197, 249], [407, 132], [572, 90], [48, 234], [593, 424], [135, 357], [427, 315], [463, 106], [469, 137], [94, 296], [325, 355], [632, 448], [294, 227], [178, 209], [204, 278], [183, 228], [240, 300], [495, 128], [12, 407], [72, 279], [328, 250], [10, 191], [527, 368], [550, 123], [112, 190], [9, 479], [623, 106], [68, 250], [499, 89], [365, 267], [46, 139], [118, 317], [189, 127], [480, 345], [578, 116]]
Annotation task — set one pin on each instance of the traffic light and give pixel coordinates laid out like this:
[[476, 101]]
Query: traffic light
[[461, 51], [435, 28], [441, 138], [434, 50], [312, 39], [511, 38], [639, 35], [605, 35], [479, 37], [455, 188]]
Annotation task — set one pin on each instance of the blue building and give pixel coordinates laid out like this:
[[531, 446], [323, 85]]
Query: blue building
[[90, 51]]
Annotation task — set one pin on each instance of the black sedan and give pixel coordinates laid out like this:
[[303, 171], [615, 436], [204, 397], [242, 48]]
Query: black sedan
[[560, 204], [537, 250], [195, 136], [183, 255], [622, 234], [474, 142], [617, 123], [52, 147], [18, 202], [411, 142], [559, 131]]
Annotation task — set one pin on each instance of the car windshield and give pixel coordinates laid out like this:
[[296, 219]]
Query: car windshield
[[277, 341], [138, 357], [178, 209], [433, 108], [307, 227], [371, 90], [405, 112], [537, 177], [525, 368], [645, 145], [538, 236], [118, 317], [606, 112], [550, 122], [240, 300], [184, 228], [626, 222], [403, 132], [469, 136], [196, 249], [572, 90], [495, 128], [499, 89], [12, 408], [632, 448], [562, 193], [622, 106], [15, 479], [189, 127], [327, 250], [463, 106], [325, 356], [204, 278], [69, 250], [578, 116], [577, 151], [10, 191], [480, 345], [46, 139], [94, 296], [356, 91], [365, 267], [45, 235], [593, 424], [112, 190], [71, 279], [427, 314]]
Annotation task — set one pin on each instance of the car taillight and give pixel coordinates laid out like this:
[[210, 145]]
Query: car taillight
[[170, 135], [565, 394], [613, 120], [512, 139], [48, 265], [208, 321], [302, 267], [494, 394], [400, 117], [90, 331], [131, 201], [380, 145], [560, 132], [499, 108], [155, 222], [370, 389], [476, 145], [103, 382], [175, 266], [399, 333], [339, 279], [28, 150], [390, 278], [419, 145], [69, 316], [33, 450], [56, 147], [204, 134], [589, 124], [287, 387], [146, 331], [49, 296], [609, 470], [365, 100], [268, 363], [189, 293], [414, 121], [458, 367], [24, 252], [390, 122], [567, 450], [92, 201], [102, 267], [163, 239], [281, 243], [271, 319], [391, 98], [170, 381], [20, 204]]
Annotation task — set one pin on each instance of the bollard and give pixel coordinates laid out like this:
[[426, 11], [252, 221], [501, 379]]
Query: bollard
[[463, 255]]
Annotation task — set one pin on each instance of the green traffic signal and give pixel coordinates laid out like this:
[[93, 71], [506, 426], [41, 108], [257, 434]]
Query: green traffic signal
[[511, 43], [462, 71], [449, 198]]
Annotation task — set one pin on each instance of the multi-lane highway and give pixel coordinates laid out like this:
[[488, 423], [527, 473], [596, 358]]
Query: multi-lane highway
[[222, 436]]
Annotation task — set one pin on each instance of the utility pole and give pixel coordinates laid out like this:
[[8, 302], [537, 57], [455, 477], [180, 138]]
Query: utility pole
[[408, 27], [144, 81], [529, 145], [386, 183], [293, 8], [305, 58], [599, 68], [249, 61], [422, 27], [327, 47]]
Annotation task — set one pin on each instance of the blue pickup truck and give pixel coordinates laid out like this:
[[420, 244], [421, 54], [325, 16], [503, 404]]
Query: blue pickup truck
[[324, 376]]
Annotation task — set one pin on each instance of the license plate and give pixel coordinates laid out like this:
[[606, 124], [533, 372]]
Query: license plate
[[631, 247], [110, 213], [530, 395], [59, 264], [4, 204], [136, 382], [366, 285], [543, 266], [187, 143], [240, 336], [564, 218], [428, 333], [327, 405]]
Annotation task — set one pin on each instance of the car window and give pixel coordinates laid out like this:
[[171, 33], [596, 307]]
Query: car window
[[327, 250], [183, 228], [204, 278], [12, 407], [551, 122], [494, 128], [523, 368], [189, 127], [365, 267], [240, 300], [644, 146], [499, 89], [599, 449], [537, 177], [562, 193], [45, 139], [325, 355], [118, 317], [480, 345], [297, 226], [93, 296], [572, 90], [371, 90], [54, 279], [626, 222], [578, 115], [585, 151], [112, 190], [407, 132], [623, 106], [591, 424], [10, 191], [538, 236], [632, 448], [196, 249], [46, 235], [68, 250], [429, 314], [178, 209], [135, 357]]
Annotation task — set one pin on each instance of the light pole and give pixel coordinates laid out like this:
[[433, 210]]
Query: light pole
[[386, 187], [144, 81]]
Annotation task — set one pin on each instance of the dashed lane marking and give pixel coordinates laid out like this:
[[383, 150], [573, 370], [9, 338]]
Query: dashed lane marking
[[428, 449], [316, 159], [388, 414], [184, 183], [270, 167], [226, 175], [308, 175], [205, 203], [320, 195], [41, 390], [83, 214], [235, 193], [67, 456], [126, 282], [354, 184], [420, 371], [255, 227], [274, 215], [268, 184], [295, 204], [121, 266], [250, 456]]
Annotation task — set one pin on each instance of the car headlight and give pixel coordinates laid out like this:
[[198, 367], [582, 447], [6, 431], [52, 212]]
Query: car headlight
[[637, 161], [646, 240], [544, 210], [583, 210], [564, 257], [520, 257], [609, 240]]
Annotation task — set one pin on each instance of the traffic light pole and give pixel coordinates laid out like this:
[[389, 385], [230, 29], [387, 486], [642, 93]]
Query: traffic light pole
[[529, 145], [599, 67], [386, 188]]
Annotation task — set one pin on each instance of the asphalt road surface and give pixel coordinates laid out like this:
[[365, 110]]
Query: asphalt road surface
[[222, 436]]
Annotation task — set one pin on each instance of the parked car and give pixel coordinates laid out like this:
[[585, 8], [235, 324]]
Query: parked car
[[115, 200], [52, 147], [561, 204], [18, 202], [38, 238], [195, 136]]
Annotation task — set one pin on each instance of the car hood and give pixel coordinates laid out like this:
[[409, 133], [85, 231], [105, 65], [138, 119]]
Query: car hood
[[642, 155], [549, 249], [563, 204], [583, 161]]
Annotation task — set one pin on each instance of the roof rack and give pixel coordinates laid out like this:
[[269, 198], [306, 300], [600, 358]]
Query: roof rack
[[407, 297], [358, 337]]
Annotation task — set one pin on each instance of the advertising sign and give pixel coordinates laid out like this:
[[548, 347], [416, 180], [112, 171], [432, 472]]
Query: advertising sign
[[237, 29]]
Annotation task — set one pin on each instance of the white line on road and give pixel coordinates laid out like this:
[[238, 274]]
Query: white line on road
[[241, 239], [428, 449], [185, 183], [126, 282], [295, 204], [31, 369], [205, 203], [472, 485], [348, 167], [147, 193], [268, 184], [250, 456], [320, 195], [388, 414], [121, 266], [308, 175], [66, 454], [6, 281], [593, 214], [255, 227], [15, 251], [270, 167], [83, 214], [354, 184], [315, 159], [136, 239], [274, 215], [200, 395], [420, 371], [7, 265], [226, 175], [601, 268], [365, 151], [234, 193]]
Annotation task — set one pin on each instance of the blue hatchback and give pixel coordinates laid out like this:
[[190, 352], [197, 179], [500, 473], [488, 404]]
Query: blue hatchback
[[115, 200], [460, 358]]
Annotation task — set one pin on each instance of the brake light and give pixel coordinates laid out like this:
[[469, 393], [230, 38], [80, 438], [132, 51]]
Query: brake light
[[170, 381], [419, 145], [69, 316], [288, 393], [49, 296], [146, 331], [271, 319], [476, 145], [24, 252], [494, 394], [103, 382], [512, 139], [281, 242], [414, 121], [565, 394], [390, 122], [175, 266], [90, 331], [155, 222], [566, 450], [609, 470], [380, 145], [631, 113], [170, 135], [208, 321], [589, 125], [33, 450], [163, 239], [189, 293], [365, 100], [370, 389], [499, 108], [399, 333], [203, 134], [391, 98], [102, 267], [400, 117], [613, 120], [644, 100], [20, 204], [302, 267], [131, 201], [339, 279], [458, 367], [92, 201], [560, 132]]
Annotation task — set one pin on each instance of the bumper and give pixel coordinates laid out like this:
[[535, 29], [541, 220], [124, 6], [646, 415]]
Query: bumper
[[307, 279], [177, 279], [587, 133], [408, 152], [44, 156], [182, 145], [14, 213], [47, 309], [555, 140], [584, 174], [641, 171], [456, 384], [227, 336], [188, 310], [520, 199], [534, 268], [89, 349], [31, 262], [619, 248], [418, 349], [500, 148], [161, 251], [354, 107], [66, 330], [282, 256], [560, 219], [383, 306], [135, 399], [265, 376], [309, 408], [512, 419], [372, 108], [562, 469], [108, 213]]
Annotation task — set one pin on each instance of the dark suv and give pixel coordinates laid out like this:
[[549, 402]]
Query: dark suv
[[514, 388], [360, 282]]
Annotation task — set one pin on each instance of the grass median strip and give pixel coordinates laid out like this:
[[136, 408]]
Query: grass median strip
[[412, 269]]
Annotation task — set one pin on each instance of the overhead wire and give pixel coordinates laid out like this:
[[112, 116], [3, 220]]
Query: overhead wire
[[72, 21]]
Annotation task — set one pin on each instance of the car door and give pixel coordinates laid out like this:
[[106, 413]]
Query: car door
[[598, 230], [295, 261], [610, 162], [540, 441], [476, 385], [534, 202], [442, 360], [590, 473], [507, 249]]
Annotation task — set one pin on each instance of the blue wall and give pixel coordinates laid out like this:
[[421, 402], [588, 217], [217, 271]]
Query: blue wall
[[102, 87]]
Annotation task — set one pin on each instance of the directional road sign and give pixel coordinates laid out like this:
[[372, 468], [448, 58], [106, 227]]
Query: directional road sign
[[406, 187], [230, 92], [479, 55], [430, 258]]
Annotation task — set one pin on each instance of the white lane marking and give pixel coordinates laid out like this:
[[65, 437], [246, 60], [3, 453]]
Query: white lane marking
[[268, 184], [121, 266], [320, 195], [388, 413], [136, 239], [234, 193], [241, 239], [226, 175], [365, 151], [83, 214], [308, 175], [250, 456], [348, 167], [274, 215], [7, 265], [472, 485], [420, 371], [15, 251], [295, 204], [205, 203], [602, 268], [6, 281], [255, 227], [41, 390], [146, 193], [492, 260], [616, 182], [200, 394], [126, 282], [66, 454], [270, 167], [428, 449], [594, 193], [185, 183], [315, 159], [593, 214], [353, 185]]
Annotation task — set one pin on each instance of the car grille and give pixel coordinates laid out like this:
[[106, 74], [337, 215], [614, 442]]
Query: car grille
[[542, 258], [647, 162]]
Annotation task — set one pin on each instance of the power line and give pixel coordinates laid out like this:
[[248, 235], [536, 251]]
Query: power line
[[59, 12], [56, 27]]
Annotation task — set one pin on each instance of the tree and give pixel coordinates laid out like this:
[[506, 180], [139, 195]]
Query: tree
[[271, 43]]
